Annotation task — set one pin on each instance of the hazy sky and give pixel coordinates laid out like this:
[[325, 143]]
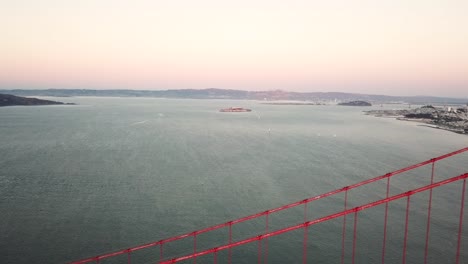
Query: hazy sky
[[397, 47]]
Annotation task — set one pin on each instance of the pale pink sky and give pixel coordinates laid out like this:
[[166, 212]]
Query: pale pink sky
[[396, 47]]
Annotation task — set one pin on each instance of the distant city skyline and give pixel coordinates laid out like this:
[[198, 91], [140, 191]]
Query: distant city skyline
[[383, 47]]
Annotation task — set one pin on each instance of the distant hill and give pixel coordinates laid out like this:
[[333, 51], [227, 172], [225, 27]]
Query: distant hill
[[10, 100], [214, 93], [356, 103]]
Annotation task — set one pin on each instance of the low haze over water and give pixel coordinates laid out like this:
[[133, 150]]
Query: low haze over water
[[111, 173]]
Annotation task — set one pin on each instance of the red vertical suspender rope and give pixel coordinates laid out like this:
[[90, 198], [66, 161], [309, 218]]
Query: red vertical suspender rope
[[460, 225], [406, 230], [304, 246], [94, 259], [266, 239], [215, 256], [129, 260], [428, 226], [305, 211], [194, 247], [323, 219], [385, 222], [344, 227], [354, 235], [306, 230], [259, 261], [230, 241], [160, 252]]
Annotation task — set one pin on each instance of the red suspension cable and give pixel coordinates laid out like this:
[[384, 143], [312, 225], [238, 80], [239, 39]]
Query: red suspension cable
[[230, 223], [323, 219]]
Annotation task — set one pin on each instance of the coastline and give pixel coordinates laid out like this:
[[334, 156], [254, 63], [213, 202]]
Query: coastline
[[453, 120]]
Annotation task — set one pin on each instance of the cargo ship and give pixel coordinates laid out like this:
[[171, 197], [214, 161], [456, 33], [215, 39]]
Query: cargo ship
[[235, 109]]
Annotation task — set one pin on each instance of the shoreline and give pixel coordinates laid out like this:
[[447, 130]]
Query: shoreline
[[428, 116]]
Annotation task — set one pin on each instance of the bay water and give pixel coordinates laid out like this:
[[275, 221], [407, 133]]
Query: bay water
[[112, 173]]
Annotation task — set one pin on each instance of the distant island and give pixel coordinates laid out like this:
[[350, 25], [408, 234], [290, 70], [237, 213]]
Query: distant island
[[235, 109], [10, 100], [356, 103], [266, 96], [453, 119]]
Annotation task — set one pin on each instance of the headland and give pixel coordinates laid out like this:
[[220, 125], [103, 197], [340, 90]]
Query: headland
[[453, 119]]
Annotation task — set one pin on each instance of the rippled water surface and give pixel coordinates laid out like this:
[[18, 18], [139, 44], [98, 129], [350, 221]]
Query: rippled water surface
[[111, 173]]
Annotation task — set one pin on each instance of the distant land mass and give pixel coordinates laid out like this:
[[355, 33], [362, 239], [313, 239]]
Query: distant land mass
[[10, 100], [453, 119], [215, 93], [356, 103]]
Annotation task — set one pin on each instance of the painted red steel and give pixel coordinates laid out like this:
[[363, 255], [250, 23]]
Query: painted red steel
[[354, 210], [460, 223], [354, 235], [428, 224], [386, 222], [344, 229], [406, 229], [267, 234]]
